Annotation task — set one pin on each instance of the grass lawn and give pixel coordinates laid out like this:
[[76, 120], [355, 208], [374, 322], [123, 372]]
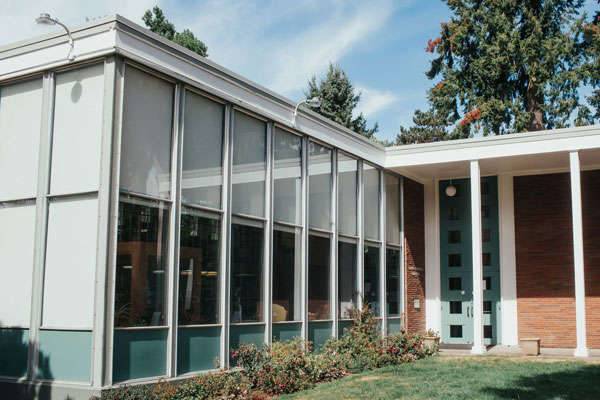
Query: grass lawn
[[468, 378]]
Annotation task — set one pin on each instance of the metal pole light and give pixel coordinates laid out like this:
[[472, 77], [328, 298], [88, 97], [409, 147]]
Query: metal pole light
[[46, 19]]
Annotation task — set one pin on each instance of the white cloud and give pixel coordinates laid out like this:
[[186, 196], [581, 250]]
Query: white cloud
[[373, 101]]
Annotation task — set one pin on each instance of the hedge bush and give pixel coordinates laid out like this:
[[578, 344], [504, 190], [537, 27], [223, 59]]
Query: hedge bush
[[287, 367]]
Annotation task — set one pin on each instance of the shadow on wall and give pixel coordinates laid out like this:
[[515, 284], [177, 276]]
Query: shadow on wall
[[582, 381], [14, 348]]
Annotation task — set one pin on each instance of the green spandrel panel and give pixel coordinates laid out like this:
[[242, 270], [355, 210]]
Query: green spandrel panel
[[197, 348], [394, 326], [286, 332], [65, 355], [344, 326], [139, 354], [319, 333], [14, 345], [249, 334]]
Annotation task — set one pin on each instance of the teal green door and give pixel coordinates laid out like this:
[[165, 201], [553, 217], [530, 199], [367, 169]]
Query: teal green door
[[457, 266]]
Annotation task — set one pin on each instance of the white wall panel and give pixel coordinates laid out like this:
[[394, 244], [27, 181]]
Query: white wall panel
[[70, 263], [77, 130], [17, 231], [20, 119]]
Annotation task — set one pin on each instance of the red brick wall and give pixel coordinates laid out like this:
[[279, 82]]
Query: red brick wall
[[590, 198], [544, 252], [414, 254]]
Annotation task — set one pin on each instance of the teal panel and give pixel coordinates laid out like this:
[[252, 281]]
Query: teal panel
[[65, 355], [344, 326], [249, 334], [197, 348], [139, 353], [14, 345], [394, 326], [285, 332], [319, 333]]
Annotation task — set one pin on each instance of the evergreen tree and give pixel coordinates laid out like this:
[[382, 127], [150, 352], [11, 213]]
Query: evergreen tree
[[502, 66], [591, 70], [338, 101], [156, 21]]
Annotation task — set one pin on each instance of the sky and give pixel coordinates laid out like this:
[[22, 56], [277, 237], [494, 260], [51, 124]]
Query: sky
[[281, 44]]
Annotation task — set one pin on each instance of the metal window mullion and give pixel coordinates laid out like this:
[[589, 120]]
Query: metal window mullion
[[268, 251], [41, 222], [226, 235], [402, 253], [305, 233], [383, 254], [104, 208], [360, 256], [174, 225], [334, 244]]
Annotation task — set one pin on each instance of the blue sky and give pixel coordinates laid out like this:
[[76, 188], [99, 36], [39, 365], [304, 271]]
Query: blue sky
[[281, 44]]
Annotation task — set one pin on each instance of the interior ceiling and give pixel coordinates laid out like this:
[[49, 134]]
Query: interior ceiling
[[527, 164]]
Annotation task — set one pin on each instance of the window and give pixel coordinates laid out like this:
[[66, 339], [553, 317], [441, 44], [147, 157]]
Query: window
[[199, 261], [287, 177], [347, 194], [347, 279], [485, 211], [394, 282], [319, 278], [319, 200], [453, 237], [487, 307], [371, 286], [142, 241], [487, 259], [453, 214], [455, 283], [202, 170], [456, 331], [484, 188], [487, 283], [247, 272], [487, 332], [454, 260], [287, 274], [146, 138], [249, 166], [372, 190], [456, 307], [392, 208], [486, 235]]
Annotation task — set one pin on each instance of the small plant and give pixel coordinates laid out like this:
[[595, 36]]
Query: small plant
[[430, 333]]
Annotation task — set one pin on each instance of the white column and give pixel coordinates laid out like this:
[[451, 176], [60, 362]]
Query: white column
[[581, 350], [478, 347], [508, 261], [433, 305]]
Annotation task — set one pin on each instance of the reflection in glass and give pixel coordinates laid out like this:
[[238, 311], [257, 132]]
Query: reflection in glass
[[392, 208], [199, 267], [371, 187], [146, 137], [287, 274], [287, 173], [393, 282], [319, 200], [249, 166], [347, 279], [372, 285], [202, 174], [246, 273], [141, 262], [347, 194], [319, 275]]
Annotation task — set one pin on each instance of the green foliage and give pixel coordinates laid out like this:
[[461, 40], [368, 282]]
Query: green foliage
[[502, 67], [591, 70], [156, 21], [338, 101]]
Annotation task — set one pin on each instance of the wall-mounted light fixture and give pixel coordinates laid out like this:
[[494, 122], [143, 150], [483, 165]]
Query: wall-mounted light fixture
[[46, 19], [315, 102], [451, 190]]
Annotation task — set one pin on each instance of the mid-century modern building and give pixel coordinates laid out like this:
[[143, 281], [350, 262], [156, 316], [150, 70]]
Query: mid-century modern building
[[157, 209]]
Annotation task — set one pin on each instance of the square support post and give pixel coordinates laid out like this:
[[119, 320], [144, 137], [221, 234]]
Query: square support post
[[580, 321], [478, 347]]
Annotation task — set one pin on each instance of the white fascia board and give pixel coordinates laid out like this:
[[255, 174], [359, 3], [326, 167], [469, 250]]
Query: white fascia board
[[559, 140]]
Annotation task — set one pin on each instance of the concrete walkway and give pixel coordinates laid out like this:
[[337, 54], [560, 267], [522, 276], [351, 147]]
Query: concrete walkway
[[515, 351]]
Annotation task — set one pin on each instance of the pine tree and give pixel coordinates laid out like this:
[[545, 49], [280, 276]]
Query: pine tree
[[338, 101], [502, 66], [591, 70], [156, 21]]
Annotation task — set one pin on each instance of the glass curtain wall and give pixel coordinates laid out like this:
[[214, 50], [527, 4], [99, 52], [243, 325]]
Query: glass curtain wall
[[371, 260], [249, 167], [287, 235], [199, 299], [320, 184], [393, 259], [143, 227]]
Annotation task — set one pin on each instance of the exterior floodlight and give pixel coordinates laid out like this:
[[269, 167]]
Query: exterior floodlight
[[46, 19], [315, 102]]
